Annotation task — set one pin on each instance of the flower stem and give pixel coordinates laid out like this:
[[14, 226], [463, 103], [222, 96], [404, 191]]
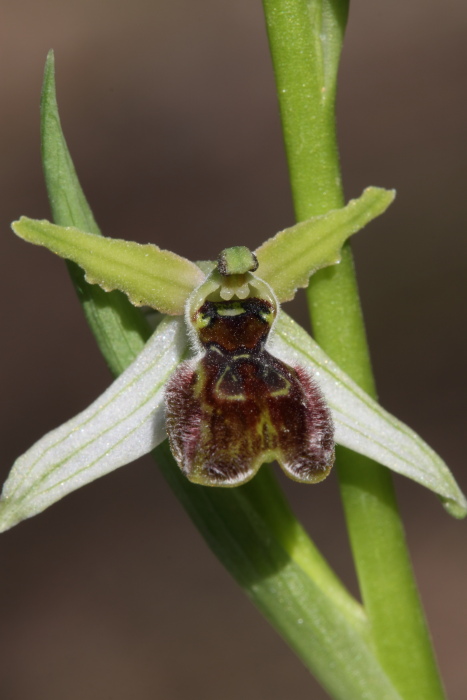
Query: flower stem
[[305, 39]]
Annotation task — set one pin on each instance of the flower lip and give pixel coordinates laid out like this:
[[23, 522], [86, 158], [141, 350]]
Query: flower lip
[[235, 327], [234, 406], [233, 289]]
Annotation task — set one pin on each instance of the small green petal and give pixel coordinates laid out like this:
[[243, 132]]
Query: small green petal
[[147, 274], [287, 260]]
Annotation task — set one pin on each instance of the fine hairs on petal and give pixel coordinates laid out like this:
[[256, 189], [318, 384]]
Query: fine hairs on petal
[[234, 406]]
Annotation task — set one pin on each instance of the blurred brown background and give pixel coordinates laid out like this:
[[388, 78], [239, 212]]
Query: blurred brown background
[[171, 117]]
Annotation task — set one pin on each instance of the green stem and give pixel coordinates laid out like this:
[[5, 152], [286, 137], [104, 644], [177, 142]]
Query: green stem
[[305, 40]]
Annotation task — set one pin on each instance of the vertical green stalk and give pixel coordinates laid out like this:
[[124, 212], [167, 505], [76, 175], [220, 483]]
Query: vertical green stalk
[[305, 39]]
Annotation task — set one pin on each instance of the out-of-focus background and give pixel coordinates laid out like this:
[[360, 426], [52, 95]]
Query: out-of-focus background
[[170, 114]]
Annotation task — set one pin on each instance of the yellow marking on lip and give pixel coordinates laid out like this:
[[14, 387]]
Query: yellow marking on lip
[[237, 311], [201, 321], [282, 392], [214, 348], [267, 316], [230, 397]]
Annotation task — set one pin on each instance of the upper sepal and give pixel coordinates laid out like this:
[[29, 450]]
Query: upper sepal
[[287, 260], [147, 274]]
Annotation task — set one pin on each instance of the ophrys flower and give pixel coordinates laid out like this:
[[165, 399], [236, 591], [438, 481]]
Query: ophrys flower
[[235, 406], [220, 302]]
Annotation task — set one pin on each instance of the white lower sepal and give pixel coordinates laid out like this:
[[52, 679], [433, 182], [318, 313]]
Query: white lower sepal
[[125, 422], [361, 424]]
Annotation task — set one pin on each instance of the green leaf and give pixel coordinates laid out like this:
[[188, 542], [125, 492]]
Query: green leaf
[[66, 197], [361, 424], [119, 328], [255, 536], [146, 273], [251, 529], [287, 260]]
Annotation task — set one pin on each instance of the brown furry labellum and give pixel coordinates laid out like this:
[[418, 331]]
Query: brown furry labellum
[[235, 406]]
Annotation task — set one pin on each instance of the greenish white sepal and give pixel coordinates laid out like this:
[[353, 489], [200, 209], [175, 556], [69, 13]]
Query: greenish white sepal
[[361, 424], [125, 422]]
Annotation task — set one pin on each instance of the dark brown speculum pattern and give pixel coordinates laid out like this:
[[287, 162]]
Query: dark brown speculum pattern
[[237, 406]]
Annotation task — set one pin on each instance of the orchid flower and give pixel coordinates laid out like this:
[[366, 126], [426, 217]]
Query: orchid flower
[[227, 374], [224, 415]]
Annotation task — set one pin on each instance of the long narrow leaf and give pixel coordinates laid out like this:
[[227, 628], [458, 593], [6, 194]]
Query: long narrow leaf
[[207, 507], [256, 545], [119, 328]]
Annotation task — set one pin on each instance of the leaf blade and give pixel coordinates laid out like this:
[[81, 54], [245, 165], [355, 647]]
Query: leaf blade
[[119, 328], [259, 542]]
